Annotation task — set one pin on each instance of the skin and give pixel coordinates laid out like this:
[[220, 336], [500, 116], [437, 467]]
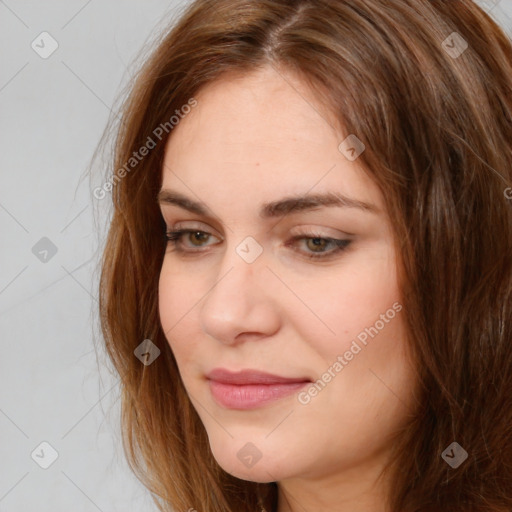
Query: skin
[[253, 139]]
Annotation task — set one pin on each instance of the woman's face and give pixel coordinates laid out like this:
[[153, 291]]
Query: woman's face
[[262, 288]]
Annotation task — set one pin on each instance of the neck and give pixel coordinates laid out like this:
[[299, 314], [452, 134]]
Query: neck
[[357, 489]]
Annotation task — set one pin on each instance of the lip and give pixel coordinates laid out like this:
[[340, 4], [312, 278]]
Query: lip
[[250, 389], [251, 377]]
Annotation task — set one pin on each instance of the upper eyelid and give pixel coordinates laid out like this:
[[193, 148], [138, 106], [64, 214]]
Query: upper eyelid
[[270, 218], [303, 235], [191, 224], [180, 227], [306, 232], [338, 244]]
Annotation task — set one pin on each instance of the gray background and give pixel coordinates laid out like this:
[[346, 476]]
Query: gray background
[[54, 112]]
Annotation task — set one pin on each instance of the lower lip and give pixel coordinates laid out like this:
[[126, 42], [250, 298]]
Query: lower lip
[[251, 396]]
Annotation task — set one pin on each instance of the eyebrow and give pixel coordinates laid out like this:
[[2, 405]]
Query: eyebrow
[[280, 208]]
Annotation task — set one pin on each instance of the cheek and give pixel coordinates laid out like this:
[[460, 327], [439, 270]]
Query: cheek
[[348, 301], [178, 293], [168, 303], [179, 290]]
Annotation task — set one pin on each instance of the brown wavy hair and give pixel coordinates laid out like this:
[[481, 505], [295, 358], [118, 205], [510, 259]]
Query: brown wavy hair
[[438, 134]]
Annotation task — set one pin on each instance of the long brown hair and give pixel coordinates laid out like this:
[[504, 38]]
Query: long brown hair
[[436, 119]]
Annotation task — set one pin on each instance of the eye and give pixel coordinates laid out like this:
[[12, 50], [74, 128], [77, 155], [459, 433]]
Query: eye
[[317, 246], [197, 237]]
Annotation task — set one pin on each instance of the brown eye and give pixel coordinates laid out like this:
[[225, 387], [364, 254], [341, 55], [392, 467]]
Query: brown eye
[[195, 237], [317, 246], [316, 243], [198, 236]]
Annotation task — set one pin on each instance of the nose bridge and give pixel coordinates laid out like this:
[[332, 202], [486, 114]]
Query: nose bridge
[[243, 258], [242, 265], [237, 302]]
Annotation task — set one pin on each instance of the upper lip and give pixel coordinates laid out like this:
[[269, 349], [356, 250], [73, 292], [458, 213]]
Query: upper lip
[[251, 377]]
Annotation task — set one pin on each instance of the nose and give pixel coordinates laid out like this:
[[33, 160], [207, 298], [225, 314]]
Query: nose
[[240, 305]]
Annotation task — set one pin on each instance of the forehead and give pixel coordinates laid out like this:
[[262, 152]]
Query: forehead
[[261, 107], [259, 133]]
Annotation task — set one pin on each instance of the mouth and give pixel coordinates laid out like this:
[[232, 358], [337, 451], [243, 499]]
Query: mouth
[[250, 389]]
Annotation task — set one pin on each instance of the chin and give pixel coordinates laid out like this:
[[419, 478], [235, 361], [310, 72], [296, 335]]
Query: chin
[[246, 462], [261, 477]]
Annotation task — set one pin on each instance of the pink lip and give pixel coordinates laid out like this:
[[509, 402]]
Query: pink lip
[[250, 389]]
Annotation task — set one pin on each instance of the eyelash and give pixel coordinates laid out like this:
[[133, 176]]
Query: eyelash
[[174, 237]]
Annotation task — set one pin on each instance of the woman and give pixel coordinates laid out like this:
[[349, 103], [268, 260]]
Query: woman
[[306, 288]]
